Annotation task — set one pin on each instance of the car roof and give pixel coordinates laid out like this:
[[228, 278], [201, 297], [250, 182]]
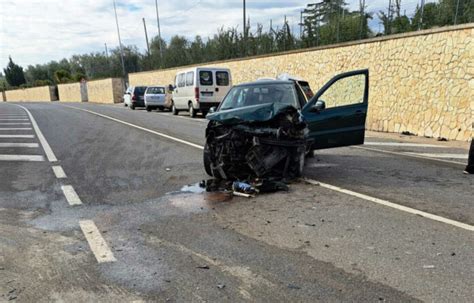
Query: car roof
[[266, 81]]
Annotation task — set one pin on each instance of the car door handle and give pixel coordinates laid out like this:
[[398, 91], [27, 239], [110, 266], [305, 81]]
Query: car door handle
[[359, 113]]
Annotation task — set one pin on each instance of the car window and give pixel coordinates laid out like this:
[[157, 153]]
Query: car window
[[158, 90], [190, 79], [181, 80], [140, 90], [306, 89], [222, 78], [241, 96], [205, 77], [345, 91]]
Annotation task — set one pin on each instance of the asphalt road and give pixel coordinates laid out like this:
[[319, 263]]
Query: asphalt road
[[121, 224]]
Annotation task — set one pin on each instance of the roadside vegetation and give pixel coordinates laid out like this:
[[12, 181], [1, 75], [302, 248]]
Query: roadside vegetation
[[325, 22]]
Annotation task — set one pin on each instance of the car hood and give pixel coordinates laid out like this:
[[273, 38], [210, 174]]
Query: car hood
[[255, 113]]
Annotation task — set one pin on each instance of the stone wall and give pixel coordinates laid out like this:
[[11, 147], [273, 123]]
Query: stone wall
[[70, 92], [106, 91], [35, 94], [420, 82]]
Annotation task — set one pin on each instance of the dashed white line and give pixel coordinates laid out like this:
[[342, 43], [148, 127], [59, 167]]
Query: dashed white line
[[96, 242], [59, 172], [27, 158], [18, 136], [47, 149], [441, 156], [15, 128], [71, 195], [392, 205], [403, 144], [27, 145]]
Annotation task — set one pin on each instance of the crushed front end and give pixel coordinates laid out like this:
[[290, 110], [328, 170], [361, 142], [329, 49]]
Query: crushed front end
[[267, 147]]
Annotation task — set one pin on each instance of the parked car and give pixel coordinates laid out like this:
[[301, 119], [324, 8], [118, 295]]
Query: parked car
[[157, 97], [265, 128], [200, 88], [134, 97]]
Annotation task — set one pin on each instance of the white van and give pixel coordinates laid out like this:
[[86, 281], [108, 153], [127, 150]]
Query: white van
[[199, 89]]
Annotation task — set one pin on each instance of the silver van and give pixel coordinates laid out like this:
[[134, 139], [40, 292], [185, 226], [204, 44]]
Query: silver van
[[157, 97], [200, 88]]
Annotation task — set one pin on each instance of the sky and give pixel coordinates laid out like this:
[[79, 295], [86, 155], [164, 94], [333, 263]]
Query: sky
[[38, 31]]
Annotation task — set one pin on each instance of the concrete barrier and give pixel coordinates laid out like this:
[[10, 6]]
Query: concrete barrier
[[420, 82], [34, 94], [106, 91]]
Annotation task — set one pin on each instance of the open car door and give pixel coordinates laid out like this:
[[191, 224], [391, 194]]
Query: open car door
[[336, 114]]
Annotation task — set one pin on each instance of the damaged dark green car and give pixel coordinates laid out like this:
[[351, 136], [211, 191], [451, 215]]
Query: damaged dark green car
[[264, 129]]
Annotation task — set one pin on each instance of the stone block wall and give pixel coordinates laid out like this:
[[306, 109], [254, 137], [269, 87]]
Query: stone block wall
[[106, 91], [35, 94], [420, 82], [70, 92]]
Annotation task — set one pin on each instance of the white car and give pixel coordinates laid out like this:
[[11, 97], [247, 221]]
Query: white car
[[133, 97], [157, 97], [200, 88]]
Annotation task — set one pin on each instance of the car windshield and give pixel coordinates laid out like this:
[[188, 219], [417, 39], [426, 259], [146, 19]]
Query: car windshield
[[241, 96]]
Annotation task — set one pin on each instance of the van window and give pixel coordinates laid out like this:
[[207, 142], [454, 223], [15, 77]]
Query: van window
[[222, 78], [181, 80], [190, 79], [205, 77]]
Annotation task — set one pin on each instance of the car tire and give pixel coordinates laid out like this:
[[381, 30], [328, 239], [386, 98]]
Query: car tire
[[132, 107], [148, 109], [192, 111], [161, 109], [204, 113], [174, 110], [207, 160]]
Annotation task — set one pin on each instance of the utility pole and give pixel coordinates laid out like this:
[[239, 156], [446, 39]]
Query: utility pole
[[245, 21], [124, 74], [146, 37], [421, 17], [301, 25], [106, 51], [362, 16], [159, 32], [456, 15], [388, 30]]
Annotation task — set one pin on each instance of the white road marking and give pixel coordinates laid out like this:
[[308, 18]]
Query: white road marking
[[71, 195], [18, 136], [27, 145], [28, 158], [47, 149], [16, 128], [328, 186], [96, 242], [407, 155], [1, 119], [59, 172], [183, 117], [322, 165], [15, 123], [139, 127], [403, 144], [441, 156], [392, 205]]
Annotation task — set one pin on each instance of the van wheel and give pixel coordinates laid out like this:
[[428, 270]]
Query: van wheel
[[132, 107], [174, 110], [148, 109], [192, 111]]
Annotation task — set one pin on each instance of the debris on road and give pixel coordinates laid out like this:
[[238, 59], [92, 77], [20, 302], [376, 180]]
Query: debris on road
[[220, 286], [203, 267], [428, 266]]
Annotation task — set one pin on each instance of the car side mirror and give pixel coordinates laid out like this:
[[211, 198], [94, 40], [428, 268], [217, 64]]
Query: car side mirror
[[212, 110], [171, 87], [320, 105]]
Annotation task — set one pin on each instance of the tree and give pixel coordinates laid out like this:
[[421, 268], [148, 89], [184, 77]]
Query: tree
[[14, 74]]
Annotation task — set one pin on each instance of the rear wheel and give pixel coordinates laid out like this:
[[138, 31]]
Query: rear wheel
[[192, 111], [204, 113], [161, 108], [132, 107], [148, 109]]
